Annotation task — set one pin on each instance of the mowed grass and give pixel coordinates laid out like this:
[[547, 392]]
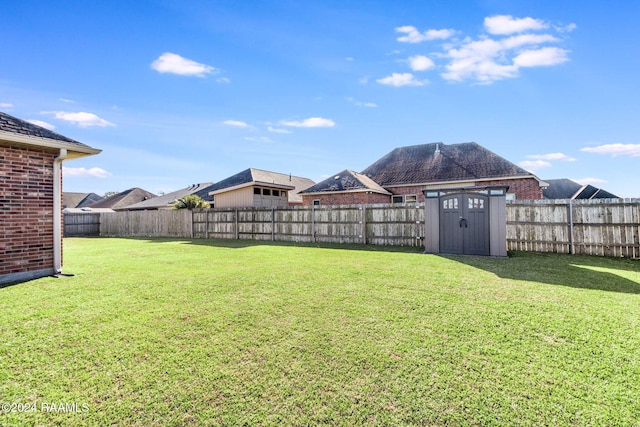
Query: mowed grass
[[181, 333]]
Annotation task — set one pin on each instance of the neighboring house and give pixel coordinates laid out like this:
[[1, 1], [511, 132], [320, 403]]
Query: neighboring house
[[121, 201], [31, 198], [166, 201], [79, 200], [568, 189], [406, 171], [258, 188], [346, 188]]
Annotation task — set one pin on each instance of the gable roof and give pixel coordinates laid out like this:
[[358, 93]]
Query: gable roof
[[344, 182], [122, 200], [167, 200], [79, 200], [568, 189], [251, 176], [438, 162], [15, 130]]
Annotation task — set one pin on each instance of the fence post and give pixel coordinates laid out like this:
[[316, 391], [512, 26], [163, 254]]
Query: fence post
[[236, 224], [572, 249], [364, 224], [273, 223], [313, 223]]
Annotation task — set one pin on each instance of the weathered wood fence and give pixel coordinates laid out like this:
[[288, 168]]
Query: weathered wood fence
[[81, 224], [609, 227], [371, 224], [605, 227]]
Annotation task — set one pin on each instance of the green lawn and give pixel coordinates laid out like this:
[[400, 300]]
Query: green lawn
[[179, 333]]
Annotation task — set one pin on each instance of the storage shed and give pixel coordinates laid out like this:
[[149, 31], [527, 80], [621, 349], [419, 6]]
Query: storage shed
[[469, 221]]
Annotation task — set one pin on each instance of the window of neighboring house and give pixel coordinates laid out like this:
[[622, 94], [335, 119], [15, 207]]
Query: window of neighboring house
[[510, 196], [276, 193], [316, 203], [410, 198], [396, 199], [266, 191], [257, 190], [283, 193]]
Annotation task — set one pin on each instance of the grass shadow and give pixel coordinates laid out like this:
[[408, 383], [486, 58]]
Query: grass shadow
[[576, 271]]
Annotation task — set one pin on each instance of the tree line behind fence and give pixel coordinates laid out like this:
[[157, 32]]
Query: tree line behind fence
[[609, 227]]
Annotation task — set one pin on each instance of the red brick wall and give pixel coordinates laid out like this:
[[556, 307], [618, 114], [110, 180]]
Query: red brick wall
[[346, 199], [26, 210]]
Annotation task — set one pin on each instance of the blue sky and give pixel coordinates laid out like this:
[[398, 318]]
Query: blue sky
[[176, 93]]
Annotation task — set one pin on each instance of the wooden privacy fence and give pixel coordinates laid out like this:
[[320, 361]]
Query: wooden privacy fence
[[609, 227], [371, 224], [604, 227], [81, 224], [159, 223]]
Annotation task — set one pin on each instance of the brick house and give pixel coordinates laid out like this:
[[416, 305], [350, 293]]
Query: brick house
[[405, 172], [31, 198]]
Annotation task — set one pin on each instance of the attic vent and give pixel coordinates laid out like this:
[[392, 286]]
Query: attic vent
[[336, 177]]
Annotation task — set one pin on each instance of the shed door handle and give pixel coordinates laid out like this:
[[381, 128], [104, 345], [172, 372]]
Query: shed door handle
[[463, 221]]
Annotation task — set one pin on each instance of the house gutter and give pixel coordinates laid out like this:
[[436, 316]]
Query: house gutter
[[57, 210]]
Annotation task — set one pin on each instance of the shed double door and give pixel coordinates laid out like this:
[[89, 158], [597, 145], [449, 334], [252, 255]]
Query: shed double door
[[464, 224]]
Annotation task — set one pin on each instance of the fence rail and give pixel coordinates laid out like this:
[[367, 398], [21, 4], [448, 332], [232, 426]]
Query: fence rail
[[609, 227]]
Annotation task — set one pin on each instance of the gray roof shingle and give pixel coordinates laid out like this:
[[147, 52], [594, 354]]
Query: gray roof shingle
[[435, 162], [18, 126], [347, 180]]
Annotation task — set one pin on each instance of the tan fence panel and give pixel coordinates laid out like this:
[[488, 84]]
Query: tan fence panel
[[159, 223], [81, 224]]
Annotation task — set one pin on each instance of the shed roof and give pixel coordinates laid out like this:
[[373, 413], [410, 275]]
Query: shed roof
[[418, 164], [254, 176], [346, 181], [20, 131]]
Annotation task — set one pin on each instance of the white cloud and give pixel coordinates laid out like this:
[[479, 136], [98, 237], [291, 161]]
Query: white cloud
[[544, 57], [534, 165], [42, 124], [6, 105], [312, 122], [223, 80], [175, 64], [362, 104], [401, 79], [83, 172], [552, 156], [420, 63], [566, 28], [278, 130], [507, 24], [415, 36], [592, 181], [632, 150], [348, 58], [81, 119], [257, 139], [236, 123], [487, 60], [66, 100]]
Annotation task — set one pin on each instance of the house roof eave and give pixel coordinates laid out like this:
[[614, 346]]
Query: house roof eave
[[74, 150]]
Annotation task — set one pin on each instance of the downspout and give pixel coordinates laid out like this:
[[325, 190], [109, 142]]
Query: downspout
[[57, 211]]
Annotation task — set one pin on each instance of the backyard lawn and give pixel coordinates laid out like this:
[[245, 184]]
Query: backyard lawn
[[225, 332]]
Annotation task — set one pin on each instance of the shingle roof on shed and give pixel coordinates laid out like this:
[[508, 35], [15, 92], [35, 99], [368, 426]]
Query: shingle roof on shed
[[345, 181], [435, 162]]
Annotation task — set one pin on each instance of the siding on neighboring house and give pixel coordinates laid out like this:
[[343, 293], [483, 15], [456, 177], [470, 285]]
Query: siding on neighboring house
[[26, 210]]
